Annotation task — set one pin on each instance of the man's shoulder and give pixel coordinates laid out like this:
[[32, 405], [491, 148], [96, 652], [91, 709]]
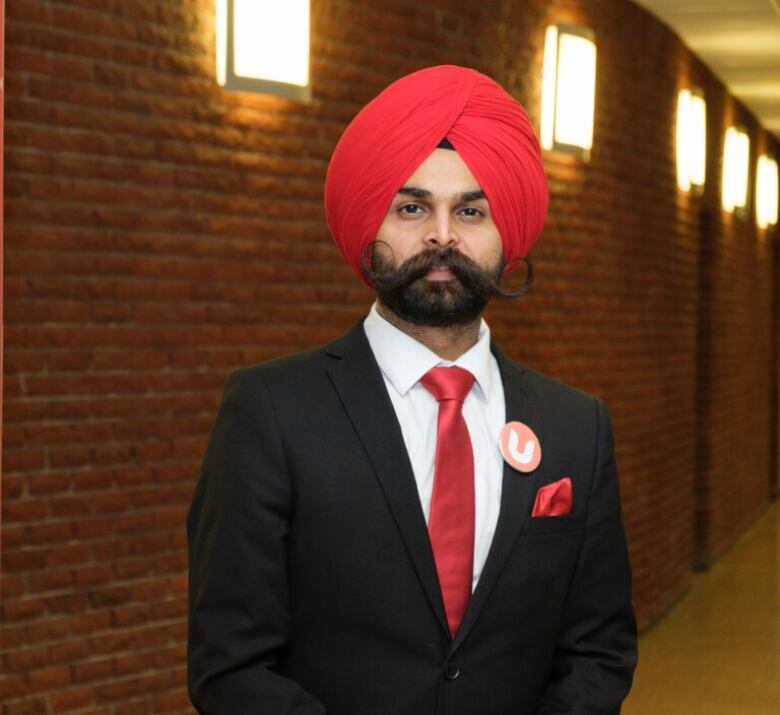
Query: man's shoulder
[[283, 370], [298, 371], [554, 390]]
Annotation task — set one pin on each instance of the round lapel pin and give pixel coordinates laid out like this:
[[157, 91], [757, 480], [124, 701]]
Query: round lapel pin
[[520, 446]]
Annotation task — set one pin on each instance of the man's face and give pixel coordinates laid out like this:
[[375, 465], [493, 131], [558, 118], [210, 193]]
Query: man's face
[[438, 246]]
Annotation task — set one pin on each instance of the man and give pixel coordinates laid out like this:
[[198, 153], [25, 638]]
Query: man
[[407, 522]]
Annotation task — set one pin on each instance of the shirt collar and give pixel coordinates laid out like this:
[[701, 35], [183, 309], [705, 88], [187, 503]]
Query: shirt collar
[[404, 360]]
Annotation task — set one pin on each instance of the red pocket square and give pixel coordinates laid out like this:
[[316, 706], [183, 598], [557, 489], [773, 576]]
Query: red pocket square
[[553, 499]]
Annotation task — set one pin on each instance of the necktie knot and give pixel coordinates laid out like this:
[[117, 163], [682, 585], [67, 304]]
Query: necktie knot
[[448, 383]]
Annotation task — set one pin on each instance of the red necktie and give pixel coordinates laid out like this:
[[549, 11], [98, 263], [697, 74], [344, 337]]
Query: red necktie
[[451, 521]]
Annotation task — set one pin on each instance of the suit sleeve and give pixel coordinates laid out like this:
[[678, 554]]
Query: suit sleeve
[[237, 529], [596, 649]]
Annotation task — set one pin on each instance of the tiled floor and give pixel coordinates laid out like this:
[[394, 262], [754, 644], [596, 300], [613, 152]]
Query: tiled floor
[[718, 650]]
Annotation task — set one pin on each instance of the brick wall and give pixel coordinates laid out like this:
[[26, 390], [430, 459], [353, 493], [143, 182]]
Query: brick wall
[[161, 231], [737, 358]]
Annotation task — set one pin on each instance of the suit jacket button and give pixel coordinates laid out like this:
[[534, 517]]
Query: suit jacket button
[[451, 671]]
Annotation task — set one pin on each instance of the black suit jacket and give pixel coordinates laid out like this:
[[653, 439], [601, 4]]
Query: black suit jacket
[[313, 587]]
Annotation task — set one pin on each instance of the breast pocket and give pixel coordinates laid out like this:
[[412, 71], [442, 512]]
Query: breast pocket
[[544, 556], [539, 525]]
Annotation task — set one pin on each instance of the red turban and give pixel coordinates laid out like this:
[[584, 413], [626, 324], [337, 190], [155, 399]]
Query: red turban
[[397, 130]]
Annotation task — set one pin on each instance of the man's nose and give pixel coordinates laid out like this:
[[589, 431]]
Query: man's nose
[[442, 233]]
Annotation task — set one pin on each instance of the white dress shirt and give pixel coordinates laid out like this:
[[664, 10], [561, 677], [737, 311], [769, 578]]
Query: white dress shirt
[[403, 361]]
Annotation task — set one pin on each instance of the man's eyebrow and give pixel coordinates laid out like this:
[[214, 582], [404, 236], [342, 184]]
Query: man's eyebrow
[[419, 193], [415, 192]]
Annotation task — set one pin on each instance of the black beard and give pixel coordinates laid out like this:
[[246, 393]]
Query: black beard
[[458, 301]]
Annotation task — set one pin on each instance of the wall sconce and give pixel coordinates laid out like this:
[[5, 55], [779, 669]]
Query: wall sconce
[[766, 192], [736, 160], [263, 46], [568, 89], [691, 140]]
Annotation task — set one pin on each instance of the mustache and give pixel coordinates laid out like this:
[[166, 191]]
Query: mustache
[[486, 283]]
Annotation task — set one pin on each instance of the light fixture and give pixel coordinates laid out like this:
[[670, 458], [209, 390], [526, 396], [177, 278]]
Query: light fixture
[[766, 192], [263, 46], [736, 159], [568, 89], [691, 140]]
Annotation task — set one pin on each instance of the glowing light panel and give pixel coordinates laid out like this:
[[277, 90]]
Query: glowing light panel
[[736, 157], [263, 46], [691, 140], [568, 89], [766, 192]]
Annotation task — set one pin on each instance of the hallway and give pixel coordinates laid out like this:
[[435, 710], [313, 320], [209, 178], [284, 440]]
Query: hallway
[[718, 651]]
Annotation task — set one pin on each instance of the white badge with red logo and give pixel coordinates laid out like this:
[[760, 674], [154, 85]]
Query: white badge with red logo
[[520, 446]]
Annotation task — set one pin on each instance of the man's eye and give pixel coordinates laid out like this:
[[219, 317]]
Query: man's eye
[[476, 211], [414, 209]]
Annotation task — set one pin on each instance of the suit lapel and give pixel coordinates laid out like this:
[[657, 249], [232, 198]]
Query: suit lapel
[[358, 381], [517, 490]]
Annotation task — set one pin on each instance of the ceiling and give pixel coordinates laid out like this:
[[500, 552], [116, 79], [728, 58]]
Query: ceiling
[[739, 40]]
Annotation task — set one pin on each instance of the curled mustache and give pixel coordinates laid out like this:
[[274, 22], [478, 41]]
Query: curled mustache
[[483, 282]]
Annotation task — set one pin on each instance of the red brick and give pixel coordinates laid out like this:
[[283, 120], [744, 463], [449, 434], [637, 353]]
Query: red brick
[[33, 633], [91, 528], [27, 706], [176, 701], [132, 569], [127, 665], [24, 510], [92, 671], [89, 622], [70, 457], [12, 686], [69, 554], [50, 581], [49, 532], [26, 560], [69, 651], [110, 595], [69, 603], [44, 484], [54, 678], [30, 11], [22, 660], [135, 707], [22, 460], [92, 575], [72, 699], [14, 586]]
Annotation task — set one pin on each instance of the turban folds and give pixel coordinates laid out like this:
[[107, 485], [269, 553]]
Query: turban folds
[[397, 130]]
